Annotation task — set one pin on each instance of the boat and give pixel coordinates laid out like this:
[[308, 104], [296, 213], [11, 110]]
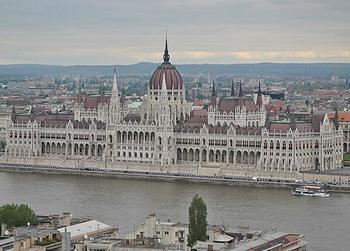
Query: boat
[[311, 191]]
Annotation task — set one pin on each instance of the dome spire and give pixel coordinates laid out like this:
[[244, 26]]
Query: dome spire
[[166, 56]]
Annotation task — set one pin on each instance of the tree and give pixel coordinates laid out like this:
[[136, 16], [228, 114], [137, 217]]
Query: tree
[[14, 215], [198, 221]]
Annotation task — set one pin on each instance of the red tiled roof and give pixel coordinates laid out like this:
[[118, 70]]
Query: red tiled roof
[[315, 120], [228, 104], [92, 102], [343, 116], [279, 127], [58, 119], [199, 117]]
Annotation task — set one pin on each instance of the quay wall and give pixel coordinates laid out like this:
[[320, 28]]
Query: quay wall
[[181, 173]]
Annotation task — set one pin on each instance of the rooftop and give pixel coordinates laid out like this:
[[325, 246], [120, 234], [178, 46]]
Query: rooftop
[[85, 228]]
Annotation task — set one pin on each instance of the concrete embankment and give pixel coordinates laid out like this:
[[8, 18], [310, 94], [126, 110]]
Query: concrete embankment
[[157, 176], [125, 174]]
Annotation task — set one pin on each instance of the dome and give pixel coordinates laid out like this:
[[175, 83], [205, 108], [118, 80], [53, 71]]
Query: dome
[[173, 78]]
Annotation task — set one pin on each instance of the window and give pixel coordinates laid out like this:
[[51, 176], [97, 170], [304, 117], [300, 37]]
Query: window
[[166, 232]]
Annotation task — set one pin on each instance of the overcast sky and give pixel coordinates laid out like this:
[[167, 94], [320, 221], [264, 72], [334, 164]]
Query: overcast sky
[[199, 31]]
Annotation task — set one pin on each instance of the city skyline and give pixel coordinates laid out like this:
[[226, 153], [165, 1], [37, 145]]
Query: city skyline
[[220, 31]]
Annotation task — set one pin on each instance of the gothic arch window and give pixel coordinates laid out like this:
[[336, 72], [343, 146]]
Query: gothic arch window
[[265, 144], [278, 145]]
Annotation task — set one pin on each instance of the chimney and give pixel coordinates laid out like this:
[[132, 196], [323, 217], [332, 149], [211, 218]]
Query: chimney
[[66, 240]]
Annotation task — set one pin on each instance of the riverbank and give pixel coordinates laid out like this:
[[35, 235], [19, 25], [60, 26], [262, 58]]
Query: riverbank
[[179, 174]]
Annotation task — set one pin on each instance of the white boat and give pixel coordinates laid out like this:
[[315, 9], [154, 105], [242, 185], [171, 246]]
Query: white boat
[[311, 191]]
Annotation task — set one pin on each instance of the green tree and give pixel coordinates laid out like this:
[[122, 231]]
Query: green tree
[[198, 221], [14, 215]]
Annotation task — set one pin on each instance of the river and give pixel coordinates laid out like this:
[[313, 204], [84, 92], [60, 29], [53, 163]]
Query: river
[[125, 203]]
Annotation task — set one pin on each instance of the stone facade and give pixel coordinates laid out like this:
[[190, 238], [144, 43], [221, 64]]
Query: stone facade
[[236, 133]]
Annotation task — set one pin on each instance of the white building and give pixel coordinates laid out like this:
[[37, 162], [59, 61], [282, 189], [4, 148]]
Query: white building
[[167, 232], [235, 132]]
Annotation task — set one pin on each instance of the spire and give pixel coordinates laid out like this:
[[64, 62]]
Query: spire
[[163, 84], [259, 100], [240, 94], [293, 125], [13, 113], [336, 118], [213, 96], [164, 113], [122, 99], [166, 56], [114, 86], [267, 121], [114, 104], [233, 88], [31, 113], [213, 92]]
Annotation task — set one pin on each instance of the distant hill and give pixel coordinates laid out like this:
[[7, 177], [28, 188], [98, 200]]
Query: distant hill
[[145, 68]]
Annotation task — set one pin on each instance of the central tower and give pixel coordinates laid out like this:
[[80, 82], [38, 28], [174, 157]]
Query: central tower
[[179, 108]]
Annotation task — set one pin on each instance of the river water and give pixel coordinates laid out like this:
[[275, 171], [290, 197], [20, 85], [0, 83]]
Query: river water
[[125, 203]]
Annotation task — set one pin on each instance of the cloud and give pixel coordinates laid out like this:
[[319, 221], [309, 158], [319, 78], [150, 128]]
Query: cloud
[[216, 31]]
